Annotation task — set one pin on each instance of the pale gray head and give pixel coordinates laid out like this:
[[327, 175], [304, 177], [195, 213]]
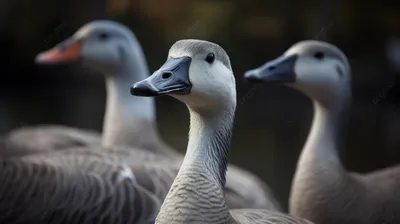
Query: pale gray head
[[316, 68], [196, 72], [104, 45]]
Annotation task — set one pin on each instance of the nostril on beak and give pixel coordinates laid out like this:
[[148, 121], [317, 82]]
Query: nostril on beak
[[271, 68], [166, 75]]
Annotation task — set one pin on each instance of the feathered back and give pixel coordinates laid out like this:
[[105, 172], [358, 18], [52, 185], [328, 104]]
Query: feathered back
[[39, 193], [45, 138]]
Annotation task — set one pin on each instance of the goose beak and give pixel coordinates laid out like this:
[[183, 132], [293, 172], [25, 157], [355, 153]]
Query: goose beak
[[171, 78], [66, 51], [281, 69]]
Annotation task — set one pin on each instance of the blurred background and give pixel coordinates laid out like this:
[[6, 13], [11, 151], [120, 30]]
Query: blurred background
[[272, 123]]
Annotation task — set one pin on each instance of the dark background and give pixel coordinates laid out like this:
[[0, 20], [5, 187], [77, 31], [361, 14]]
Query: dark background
[[272, 122]]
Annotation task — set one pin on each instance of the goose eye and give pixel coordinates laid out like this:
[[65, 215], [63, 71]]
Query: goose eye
[[319, 55], [210, 58], [103, 36]]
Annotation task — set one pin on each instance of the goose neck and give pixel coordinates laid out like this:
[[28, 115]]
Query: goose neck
[[209, 142], [127, 116], [323, 145], [198, 187]]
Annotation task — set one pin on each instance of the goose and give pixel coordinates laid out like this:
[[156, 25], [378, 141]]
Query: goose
[[113, 50], [199, 74], [322, 190]]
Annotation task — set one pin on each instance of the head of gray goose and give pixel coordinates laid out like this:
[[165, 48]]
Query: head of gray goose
[[106, 46], [318, 69], [193, 62]]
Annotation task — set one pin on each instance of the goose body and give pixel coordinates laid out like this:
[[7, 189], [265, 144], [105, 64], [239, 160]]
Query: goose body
[[322, 190], [153, 178], [45, 138], [42, 193], [113, 50], [199, 74]]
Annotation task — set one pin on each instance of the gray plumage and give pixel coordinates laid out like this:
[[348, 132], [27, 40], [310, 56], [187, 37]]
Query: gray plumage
[[201, 47], [196, 195], [44, 138], [40, 193], [155, 177]]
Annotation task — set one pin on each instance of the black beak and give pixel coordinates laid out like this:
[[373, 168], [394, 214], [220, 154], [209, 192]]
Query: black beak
[[172, 77], [278, 70]]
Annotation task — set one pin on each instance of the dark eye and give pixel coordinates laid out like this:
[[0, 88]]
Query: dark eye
[[103, 36], [210, 58], [319, 55]]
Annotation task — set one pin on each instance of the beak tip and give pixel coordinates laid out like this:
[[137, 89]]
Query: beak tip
[[43, 58], [247, 74], [39, 58], [251, 76], [133, 89], [142, 89]]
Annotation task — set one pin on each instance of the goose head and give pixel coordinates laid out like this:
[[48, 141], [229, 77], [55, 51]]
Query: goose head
[[102, 45], [196, 72], [318, 69]]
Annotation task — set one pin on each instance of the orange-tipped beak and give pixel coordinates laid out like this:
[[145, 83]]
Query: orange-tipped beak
[[64, 52]]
